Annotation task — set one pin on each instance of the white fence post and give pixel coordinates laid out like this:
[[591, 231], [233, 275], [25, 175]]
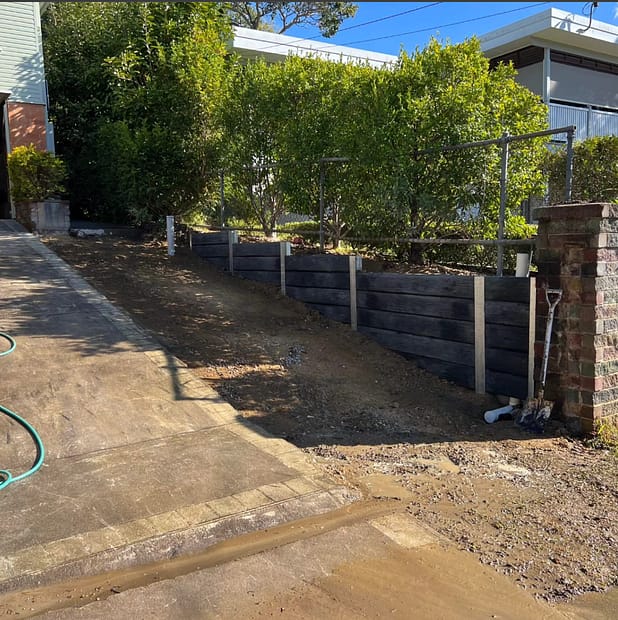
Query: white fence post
[[230, 250], [170, 235], [479, 334], [285, 249], [531, 336], [353, 311]]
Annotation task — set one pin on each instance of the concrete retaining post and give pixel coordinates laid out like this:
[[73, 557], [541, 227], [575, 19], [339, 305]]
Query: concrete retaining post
[[285, 249], [578, 252], [169, 224]]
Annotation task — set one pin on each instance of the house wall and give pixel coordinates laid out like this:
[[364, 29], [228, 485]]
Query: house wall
[[22, 73], [27, 125], [532, 78], [583, 86], [21, 52]]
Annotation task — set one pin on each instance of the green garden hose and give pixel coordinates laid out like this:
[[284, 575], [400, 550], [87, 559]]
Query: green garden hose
[[6, 477]]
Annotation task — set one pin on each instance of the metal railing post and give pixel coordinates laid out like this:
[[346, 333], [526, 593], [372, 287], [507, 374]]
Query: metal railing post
[[322, 180], [222, 195], [568, 185], [504, 172]]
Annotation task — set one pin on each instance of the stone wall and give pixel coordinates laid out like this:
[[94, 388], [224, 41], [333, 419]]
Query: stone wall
[[578, 252]]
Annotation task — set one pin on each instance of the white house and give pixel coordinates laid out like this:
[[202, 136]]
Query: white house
[[23, 94], [273, 47], [570, 61]]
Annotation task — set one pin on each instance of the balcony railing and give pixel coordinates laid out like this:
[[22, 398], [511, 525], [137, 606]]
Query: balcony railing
[[589, 122]]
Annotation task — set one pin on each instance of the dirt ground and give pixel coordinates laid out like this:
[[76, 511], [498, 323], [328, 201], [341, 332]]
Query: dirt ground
[[542, 510]]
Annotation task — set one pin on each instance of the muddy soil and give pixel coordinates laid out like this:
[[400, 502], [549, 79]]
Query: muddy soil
[[542, 510]]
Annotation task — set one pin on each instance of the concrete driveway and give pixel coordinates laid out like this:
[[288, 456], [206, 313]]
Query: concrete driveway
[[144, 461]]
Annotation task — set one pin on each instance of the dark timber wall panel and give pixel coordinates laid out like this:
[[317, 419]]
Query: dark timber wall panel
[[322, 282], [426, 318], [506, 335]]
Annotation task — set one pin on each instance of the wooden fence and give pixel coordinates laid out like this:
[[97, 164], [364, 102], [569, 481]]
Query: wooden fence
[[475, 331]]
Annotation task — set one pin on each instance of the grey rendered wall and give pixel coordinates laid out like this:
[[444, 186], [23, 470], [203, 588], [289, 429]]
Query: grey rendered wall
[[532, 78], [583, 86]]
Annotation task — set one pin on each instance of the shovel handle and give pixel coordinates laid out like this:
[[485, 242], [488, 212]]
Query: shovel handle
[[556, 293], [557, 296]]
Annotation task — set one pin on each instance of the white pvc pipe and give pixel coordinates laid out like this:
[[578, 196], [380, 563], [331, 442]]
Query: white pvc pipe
[[170, 235], [522, 266], [493, 415]]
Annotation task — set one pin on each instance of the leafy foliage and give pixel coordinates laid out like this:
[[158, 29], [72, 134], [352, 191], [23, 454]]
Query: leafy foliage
[[133, 103], [281, 16], [385, 127], [35, 175], [595, 171]]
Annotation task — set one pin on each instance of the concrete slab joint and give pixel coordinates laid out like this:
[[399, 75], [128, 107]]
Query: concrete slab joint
[[578, 252]]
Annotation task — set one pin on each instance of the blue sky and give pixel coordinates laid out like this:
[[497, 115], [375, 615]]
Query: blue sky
[[432, 18]]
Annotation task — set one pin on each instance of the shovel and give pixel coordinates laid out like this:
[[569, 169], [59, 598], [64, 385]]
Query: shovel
[[535, 412]]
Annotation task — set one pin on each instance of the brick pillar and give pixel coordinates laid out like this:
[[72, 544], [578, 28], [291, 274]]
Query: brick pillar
[[577, 251]]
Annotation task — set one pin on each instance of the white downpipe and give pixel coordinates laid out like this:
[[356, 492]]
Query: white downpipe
[[170, 235]]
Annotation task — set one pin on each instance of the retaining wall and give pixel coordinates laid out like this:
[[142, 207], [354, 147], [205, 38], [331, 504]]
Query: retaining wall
[[473, 331]]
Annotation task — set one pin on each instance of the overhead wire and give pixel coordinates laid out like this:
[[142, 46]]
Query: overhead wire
[[457, 23], [368, 23]]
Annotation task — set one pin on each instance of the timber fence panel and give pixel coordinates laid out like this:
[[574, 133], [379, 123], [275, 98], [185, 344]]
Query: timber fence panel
[[443, 329], [457, 373], [341, 314], [330, 297], [257, 249], [256, 263], [318, 262], [506, 384], [211, 250], [316, 279], [444, 308]]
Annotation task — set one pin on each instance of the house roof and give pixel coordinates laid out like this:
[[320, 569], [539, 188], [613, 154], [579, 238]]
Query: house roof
[[249, 43], [558, 30]]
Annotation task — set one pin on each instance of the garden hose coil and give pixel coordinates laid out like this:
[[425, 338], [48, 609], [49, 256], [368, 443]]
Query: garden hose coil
[[6, 477]]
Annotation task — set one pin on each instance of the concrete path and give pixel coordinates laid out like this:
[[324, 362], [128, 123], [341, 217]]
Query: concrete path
[[144, 461]]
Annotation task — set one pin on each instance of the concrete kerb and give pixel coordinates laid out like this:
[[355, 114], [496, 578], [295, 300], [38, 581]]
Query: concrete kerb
[[190, 528], [158, 538]]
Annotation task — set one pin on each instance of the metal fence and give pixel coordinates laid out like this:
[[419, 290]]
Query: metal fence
[[261, 185], [588, 121]]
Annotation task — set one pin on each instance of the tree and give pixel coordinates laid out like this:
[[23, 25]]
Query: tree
[[390, 124], [281, 16], [252, 114], [133, 105]]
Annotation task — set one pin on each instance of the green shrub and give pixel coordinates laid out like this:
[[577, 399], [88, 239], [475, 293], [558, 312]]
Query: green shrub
[[35, 175], [595, 171]]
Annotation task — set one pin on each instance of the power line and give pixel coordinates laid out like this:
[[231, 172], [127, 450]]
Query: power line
[[403, 34], [373, 21], [382, 19]]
